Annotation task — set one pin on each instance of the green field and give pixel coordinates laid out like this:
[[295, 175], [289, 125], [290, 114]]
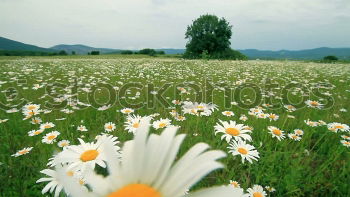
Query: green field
[[317, 165]]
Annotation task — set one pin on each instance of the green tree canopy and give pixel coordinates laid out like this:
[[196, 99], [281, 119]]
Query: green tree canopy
[[210, 36], [330, 58]]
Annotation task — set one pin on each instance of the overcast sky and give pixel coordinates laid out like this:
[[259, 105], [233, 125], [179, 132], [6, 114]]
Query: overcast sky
[[135, 24]]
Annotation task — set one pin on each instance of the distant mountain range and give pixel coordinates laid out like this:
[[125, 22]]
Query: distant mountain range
[[309, 54], [11, 45], [82, 49]]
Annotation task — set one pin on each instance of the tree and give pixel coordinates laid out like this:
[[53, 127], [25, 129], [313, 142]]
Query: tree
[[126, 52], [62, 52], [147, 51], [210, 36], [330, 58], [95, 53], [73, 53]]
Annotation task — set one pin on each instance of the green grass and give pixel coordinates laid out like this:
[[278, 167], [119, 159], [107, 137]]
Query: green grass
[[318, 165]]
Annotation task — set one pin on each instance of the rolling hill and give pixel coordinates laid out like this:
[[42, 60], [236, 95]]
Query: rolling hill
[[308, 54], [11, 45], [82, 49]]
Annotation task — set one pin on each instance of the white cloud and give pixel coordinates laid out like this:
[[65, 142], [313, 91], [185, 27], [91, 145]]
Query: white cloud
[[262, 24]]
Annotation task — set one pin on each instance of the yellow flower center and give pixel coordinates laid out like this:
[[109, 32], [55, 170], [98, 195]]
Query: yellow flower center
[[135, 190], [243, 151], [257, 194], [136, 125], [127, 111], [272, 116], [339, 127], [109, 127], [51, 137], [32, 107], [234, 184], [23, 152], [277, 132], [38, 132], [347, 143], [314, 103], [233, 131], [89, 155], [162, 125], [294, 137], [47, 126]]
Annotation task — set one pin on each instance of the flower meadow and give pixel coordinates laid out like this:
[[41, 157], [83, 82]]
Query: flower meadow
[[162, 127]]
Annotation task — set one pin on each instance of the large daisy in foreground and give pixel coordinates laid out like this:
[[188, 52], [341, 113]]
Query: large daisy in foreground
[[146, 170]]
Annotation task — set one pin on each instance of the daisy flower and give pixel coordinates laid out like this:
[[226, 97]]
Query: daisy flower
[[243, 118], [312, 123], [47, 125], [28, 114], [173, 113], [228, 113], [256, 191], [49, 138], [3, 120], [321, 122], [103, 108], [199, 109], [176, 102], [246, 151], [13, 110], [109, 126], [345, 137], [162, 123], [31, 107], [63, 143], [345, 143], [276, 132], [262, 115], [294, 136], [35, 132], [180, 118], [132, 123], [82, 128], [273, 117], [343, 110], [335, 127], [270, 189], [152, 171], [36, 120], [83, 157], [235, 184], [314, 104], [290, 108], [232, 130], [298, 132], [55, 182], [22, 152], [127, 110]]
